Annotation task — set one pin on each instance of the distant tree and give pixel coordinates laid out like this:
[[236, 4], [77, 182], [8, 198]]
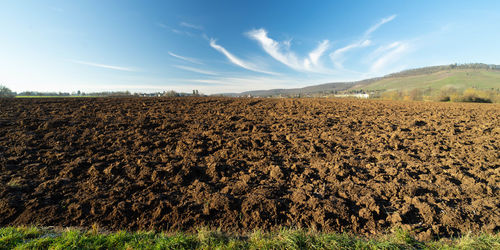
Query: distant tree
[[6, 92], [171, 93], [414, 95]]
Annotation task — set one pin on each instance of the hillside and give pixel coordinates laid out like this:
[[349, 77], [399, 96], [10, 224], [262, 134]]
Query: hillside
[[459, 77]]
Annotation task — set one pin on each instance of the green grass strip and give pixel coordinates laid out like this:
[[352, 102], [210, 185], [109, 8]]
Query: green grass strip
[[55, 96], [39, 238]]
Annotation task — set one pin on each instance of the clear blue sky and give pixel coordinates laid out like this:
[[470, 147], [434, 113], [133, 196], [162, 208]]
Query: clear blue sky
[[233, 46]]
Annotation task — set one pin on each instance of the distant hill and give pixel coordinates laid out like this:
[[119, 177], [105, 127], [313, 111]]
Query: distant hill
[[326, 88], [314, 89], [477, 75]]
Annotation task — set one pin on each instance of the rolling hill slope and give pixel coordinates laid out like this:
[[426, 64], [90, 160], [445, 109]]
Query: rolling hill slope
[[459, 77]]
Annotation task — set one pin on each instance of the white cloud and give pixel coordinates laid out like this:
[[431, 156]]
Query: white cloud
[[187, 59], [236, 60], [192, 26], [381, 50], [287, 43], [337, 56], [281, 51], [180, 32], [201, 71], [359, 44], [316, 54], [274, 48], [106, 66], [380, 23], [390, 54]]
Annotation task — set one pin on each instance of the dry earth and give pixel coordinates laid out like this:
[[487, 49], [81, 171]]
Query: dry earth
[[239, 164]]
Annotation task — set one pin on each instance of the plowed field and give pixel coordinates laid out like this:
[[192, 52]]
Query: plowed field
[[240, 164]]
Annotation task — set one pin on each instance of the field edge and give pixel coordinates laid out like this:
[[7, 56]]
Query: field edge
[[60, 238]]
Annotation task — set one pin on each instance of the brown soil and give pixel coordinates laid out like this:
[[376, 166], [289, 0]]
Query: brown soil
[[242, 164]]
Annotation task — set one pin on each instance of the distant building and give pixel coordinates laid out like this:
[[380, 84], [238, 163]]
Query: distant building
[[362, 96]]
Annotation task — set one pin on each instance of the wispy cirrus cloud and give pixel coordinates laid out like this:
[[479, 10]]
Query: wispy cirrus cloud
[[382, 50], [174, 30], [275, 49], [196, 70], [185, 58], [181, 32], [318, 52], [388, 54], [337, 56], [281, 52], [192, 26], [105, 66], [235, 60], [378, 24]]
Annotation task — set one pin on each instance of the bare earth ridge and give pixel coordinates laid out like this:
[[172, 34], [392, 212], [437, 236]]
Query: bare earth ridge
[[241, 164]]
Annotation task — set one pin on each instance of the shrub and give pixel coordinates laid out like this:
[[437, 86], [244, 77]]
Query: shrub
[[444, 98], [474, 95]]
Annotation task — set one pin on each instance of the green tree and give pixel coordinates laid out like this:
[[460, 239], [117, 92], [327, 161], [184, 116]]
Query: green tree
[[6, 92], [171, 93]]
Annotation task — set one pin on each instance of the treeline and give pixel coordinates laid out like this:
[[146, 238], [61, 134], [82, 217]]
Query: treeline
[[445, 94], [6, 92], [434, 69], [170, 93], [78, 93]]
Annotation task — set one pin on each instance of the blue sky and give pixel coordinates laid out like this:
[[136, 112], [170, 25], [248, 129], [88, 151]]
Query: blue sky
[[233, 46]]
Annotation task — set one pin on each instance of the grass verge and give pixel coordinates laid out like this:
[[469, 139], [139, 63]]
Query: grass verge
[[40, 238], [52, 96]]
